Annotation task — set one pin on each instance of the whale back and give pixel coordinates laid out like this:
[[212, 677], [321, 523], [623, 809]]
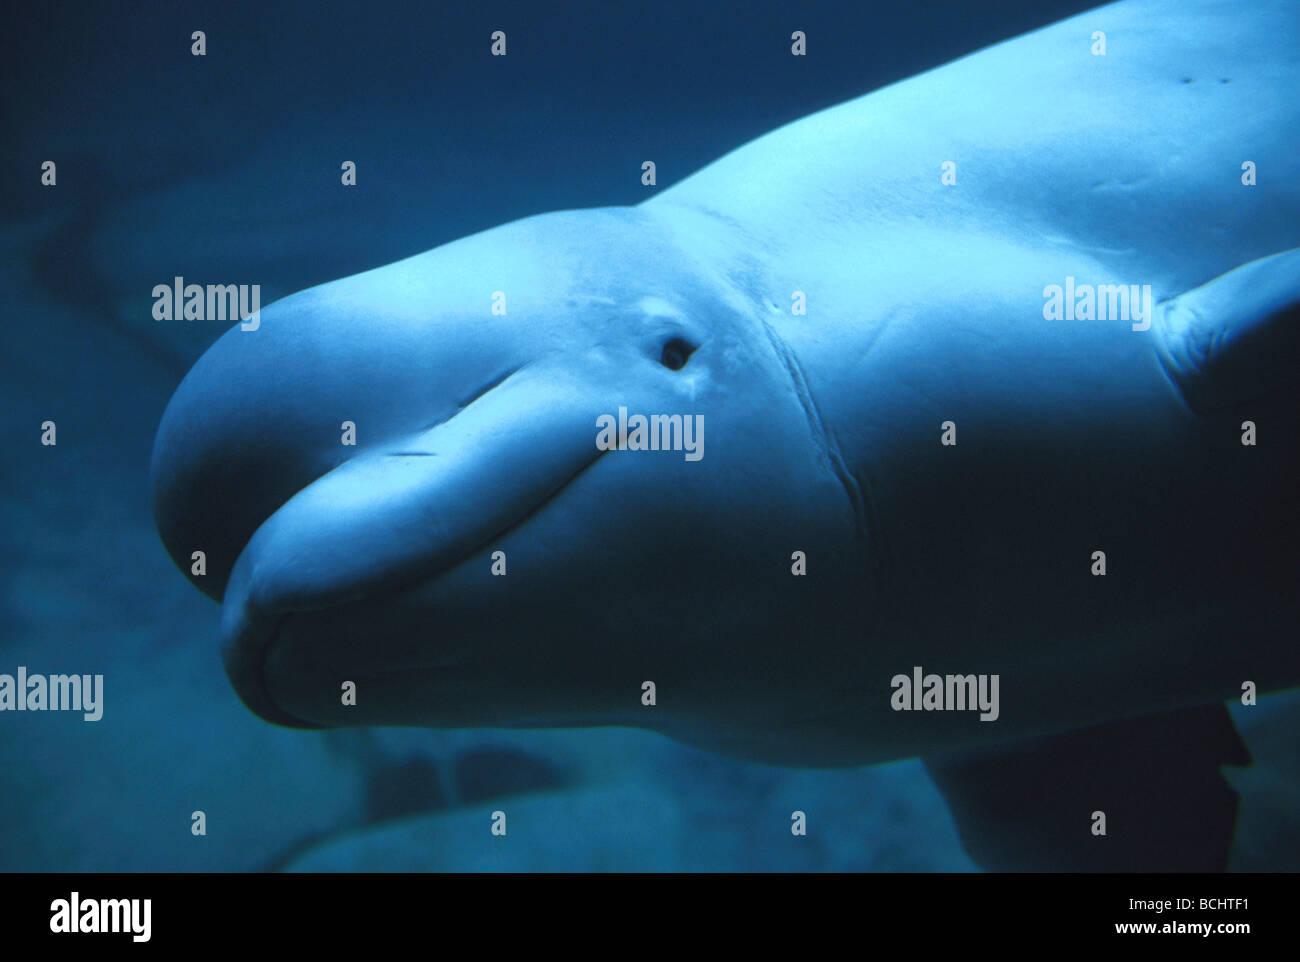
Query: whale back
[[1134, 156]]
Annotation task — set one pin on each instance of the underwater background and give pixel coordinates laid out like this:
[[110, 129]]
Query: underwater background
[[224, 169]]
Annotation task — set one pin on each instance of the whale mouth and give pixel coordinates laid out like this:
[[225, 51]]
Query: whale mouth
[[397, 518], [251, 633]]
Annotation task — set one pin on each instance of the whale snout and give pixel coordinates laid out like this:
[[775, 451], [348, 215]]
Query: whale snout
[[400, 514], [265, 413]]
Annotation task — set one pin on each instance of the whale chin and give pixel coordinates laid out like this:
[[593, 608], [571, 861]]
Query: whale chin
[[331, 590], [344, 665]]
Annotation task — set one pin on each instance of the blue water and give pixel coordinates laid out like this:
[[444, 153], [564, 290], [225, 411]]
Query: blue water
[[225, 167]]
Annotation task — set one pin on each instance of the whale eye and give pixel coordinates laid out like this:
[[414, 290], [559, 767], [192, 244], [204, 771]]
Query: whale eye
[[676, 353]]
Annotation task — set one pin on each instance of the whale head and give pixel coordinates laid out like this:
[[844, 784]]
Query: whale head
[[498, 546]]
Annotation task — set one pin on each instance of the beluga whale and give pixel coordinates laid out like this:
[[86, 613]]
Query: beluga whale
[[992, 378]]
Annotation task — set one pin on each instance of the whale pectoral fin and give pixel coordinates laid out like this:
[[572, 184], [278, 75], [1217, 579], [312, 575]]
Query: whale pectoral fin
[[1237, 337], [1032, 806]]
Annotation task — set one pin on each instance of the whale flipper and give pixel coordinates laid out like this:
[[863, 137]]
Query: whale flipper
[[1029, 807], [1236, 337]]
